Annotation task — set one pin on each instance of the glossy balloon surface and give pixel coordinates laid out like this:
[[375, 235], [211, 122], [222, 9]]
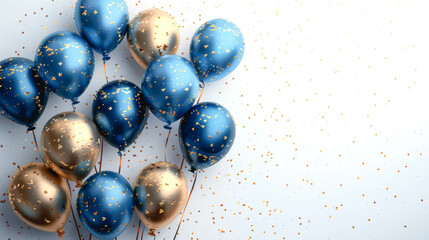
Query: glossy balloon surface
[[40, 197], [23, 94], [217, 48], [160, 192], [120, 113], [65, 62], [70, 145], [151, 34], [102, 23], [105, 204], [170, 86], [206, 134]]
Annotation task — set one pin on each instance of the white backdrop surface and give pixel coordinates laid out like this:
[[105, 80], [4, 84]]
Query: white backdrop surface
[[330, 106]]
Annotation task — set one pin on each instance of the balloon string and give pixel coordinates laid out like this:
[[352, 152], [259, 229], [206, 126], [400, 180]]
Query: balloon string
[[105, 73], [95, 168], [165, 148], [101, 155], [120, 161], [71, 207], [144, 227], [202, 90], [187, 201], [37, 146], [183, 159], [90, 236], [138, 230]]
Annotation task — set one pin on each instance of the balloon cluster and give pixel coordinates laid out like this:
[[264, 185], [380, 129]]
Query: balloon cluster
[[70, 141]]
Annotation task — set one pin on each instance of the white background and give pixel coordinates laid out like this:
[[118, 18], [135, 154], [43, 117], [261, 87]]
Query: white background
[[331, 106]]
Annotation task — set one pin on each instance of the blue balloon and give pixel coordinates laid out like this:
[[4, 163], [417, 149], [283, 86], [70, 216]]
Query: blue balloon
[[217, 48], [102, 23], [23, 95], [170, 86], [120, 113], [206, 134], [65, 62], [105, 204]]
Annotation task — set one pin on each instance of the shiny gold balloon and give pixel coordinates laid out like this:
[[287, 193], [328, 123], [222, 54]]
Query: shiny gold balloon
[[70, 145], [151, 34], [40, 197], [160, 191]]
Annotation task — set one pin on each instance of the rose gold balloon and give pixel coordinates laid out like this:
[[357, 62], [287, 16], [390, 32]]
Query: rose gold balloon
[[70, 145], [40, 197], [151, 34], [160, 191]]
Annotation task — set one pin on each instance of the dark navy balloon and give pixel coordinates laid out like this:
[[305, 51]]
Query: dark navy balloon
[[105, 204], [65, 62], [120, 113], [170, 86], [217, 48], [102, 23], [23, 95], [206, 134]]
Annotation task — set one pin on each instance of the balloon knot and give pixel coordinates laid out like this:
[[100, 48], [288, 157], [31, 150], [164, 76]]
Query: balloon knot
[[74, 101], [60, 232], [202, 84], [167, 126], [30, 127], [78, 184], [120, 152], [151, 232], [106, 57], [192, 170]]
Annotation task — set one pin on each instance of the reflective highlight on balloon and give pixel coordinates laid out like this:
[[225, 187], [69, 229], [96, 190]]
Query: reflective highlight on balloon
[[217, 48], [23, 94], [105, 204], [151, 34], [102, 23], [170, 86], [65, 62], [120, 113], [40, 197], [206, 134], [160, 191], [70, 145]]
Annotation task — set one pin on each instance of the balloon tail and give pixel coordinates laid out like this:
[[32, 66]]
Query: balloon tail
[[37, 146], [120, 161], [101, 155], [74, 218], [138, 230], [105, 73], [60, 233], [165, 148], [183, 159], [187, 201], [202, 85]]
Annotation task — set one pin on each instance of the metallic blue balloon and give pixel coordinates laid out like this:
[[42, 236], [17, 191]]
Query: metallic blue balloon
[[206, 134], [23, 95], [102, 23], [170, 86], [105, 204], [120, 113], [217, 48], [65, 62]]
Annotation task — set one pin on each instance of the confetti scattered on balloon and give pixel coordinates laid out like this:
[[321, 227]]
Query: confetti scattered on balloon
[[23, 94], [70, 145], [206, 134], [105, 204], [151, 34], [65, 62]]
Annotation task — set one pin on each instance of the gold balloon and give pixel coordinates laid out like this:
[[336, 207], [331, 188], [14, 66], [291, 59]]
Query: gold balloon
[[70, 145], [160, 191], [151, 34], [40, 197]]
